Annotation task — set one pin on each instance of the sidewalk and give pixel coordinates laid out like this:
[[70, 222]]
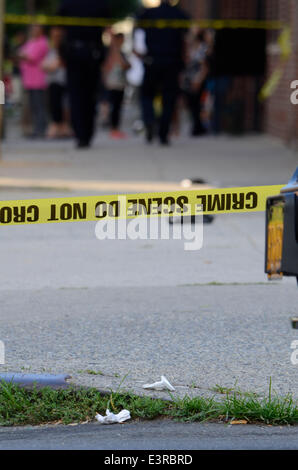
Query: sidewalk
[[102, 310], [223, 161]]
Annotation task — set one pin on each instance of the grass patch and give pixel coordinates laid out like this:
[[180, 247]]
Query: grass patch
[[228, 391], [19, 406]]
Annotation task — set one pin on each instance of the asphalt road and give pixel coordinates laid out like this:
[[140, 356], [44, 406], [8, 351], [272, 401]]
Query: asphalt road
[[156, 435]]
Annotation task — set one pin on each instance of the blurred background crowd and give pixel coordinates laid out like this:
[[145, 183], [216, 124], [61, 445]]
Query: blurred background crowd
[[65, 82]]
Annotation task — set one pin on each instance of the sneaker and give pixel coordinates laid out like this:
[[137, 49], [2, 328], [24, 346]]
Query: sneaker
[[83, 144], [118, 135], [164, 141], [149, 134]]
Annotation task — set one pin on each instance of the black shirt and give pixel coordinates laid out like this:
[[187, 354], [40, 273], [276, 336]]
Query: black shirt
[[166, 44], [84, 9]]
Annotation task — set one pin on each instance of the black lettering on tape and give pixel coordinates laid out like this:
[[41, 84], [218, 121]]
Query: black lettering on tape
[[34, 211], [228, 201], [53, 217], [75, 211], [181, 201], [143, 207], [66, 212], [203, 201], [114, 208], [238, 201], [79, 211], [253, 198], [19, 214], [132, 209], [170, 202], [216, 202], [101, 210], [5, 215]]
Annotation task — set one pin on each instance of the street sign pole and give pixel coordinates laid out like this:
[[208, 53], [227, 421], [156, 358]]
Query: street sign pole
[[2, 13]]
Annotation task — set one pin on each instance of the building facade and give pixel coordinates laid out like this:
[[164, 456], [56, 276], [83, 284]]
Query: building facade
[[276, 115], [281, 116]]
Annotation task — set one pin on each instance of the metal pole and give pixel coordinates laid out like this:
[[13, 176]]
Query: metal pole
[[2, 12]]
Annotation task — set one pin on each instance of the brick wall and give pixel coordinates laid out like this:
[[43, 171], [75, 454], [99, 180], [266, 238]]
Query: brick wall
[[277, 116], [233, 9], [236, 9], [243, 88], [198, 9], [281, 117]]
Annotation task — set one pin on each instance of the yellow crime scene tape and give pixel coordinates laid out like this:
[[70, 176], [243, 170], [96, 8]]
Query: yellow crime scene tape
[[158, 23], [128, 206]]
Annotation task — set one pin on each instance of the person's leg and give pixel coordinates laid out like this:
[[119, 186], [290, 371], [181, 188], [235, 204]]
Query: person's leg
[[148, 91], [116, 103], [222, 85], [56, 92], [169, 95], [65, 126], [91, 81], [31, 109], [76, 98], [216, 121], [38, 108], [195, 109], [56, 110], [41, 116], [82, 85], [113, 114], [26, 118]]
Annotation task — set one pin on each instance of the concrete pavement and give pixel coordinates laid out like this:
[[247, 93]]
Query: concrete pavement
[[147, 308], [156, 435], [238, 161]]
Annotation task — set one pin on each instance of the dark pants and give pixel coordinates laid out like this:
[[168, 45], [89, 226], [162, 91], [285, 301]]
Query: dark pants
[[38, 105], [56, 97], [83, 78], [116, 101], [194, 106], [221, 88], [160, 78]]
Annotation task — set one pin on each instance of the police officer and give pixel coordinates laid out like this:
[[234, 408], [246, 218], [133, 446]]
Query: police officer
[[83, 53], [163, 63]]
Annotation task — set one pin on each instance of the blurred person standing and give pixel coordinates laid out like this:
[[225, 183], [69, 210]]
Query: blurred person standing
[[18, 41], [219, 81], [56, 78], [20, 97], [114, 72], [194, 79], [163, 60], [31, 56], [83, 54]]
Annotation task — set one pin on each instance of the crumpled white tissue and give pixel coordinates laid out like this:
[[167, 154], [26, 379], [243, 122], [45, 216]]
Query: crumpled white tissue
[[164, 384], [111, 418]]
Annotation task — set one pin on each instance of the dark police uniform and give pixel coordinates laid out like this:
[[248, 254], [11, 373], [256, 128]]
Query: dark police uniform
[[163, 64], [82, 52]]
